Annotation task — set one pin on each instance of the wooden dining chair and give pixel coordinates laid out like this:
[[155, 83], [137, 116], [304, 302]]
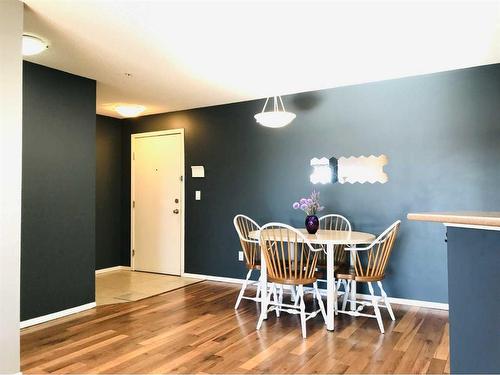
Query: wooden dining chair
[[369, 266], [333, 222], [290, 260], [251, 252]]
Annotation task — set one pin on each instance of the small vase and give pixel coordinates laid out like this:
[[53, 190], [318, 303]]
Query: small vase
[[312, 224]]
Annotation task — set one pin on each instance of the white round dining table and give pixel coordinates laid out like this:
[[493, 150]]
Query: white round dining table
[[328, 238]]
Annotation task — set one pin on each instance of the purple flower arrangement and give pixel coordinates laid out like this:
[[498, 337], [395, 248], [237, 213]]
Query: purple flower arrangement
[[309, 205]]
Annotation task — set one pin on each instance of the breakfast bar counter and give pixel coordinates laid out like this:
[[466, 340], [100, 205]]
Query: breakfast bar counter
[[473, 240], [468, 219]]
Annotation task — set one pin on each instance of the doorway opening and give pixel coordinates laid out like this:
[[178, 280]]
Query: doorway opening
[[157, 222]]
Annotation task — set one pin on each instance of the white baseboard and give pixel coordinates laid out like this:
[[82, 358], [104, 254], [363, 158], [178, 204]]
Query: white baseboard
[[58, 314], [399, 301], [213, 278], [411, 302], [110, 269]]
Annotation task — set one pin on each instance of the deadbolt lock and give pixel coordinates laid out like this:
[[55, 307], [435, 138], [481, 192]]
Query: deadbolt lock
[[176, 200]]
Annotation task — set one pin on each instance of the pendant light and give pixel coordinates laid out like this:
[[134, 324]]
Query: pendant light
[[276, 118], [33, 45]]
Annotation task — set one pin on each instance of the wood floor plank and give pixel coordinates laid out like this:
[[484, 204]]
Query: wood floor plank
[[409, 334], [128, 310], [75, 367], [128, 356], [442, 351], [410, 355], [76, 354], [63, 348], [447, 366], [195, 329], [305, 345], [436, 366], [431, 334], [268, 352]]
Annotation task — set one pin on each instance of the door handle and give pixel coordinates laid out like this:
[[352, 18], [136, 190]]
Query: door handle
[[176, 211]]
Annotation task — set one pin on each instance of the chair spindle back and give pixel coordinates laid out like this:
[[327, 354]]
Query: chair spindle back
[[251, 249], [375, 260], [334, 222], [289, 256]]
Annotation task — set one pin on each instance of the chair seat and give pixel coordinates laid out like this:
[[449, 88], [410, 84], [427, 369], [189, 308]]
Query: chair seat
[[346, 273], [304, 281], [286, 281], [321, 273]]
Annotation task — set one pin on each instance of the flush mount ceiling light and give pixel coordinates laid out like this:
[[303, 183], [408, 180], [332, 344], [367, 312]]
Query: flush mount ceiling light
[[129, 110], [33, 45], [276, 118]]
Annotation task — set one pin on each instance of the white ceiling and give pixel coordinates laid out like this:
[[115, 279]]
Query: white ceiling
[[189, 54]]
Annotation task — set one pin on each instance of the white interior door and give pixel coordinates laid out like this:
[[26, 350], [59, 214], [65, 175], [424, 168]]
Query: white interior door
[[157, 167]]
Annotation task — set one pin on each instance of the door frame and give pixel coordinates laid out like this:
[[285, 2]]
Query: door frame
[[133, 137]]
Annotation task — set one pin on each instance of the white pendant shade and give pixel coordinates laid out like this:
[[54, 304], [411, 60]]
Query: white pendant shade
[[276, 118]]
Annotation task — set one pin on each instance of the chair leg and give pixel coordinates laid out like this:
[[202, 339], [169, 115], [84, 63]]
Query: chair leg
[[343, 282], [336, 297], [320, 301], [263, 312], [257, 295], [346, 294], [376, 308], [387, 304], [280, 294], [297, 299], [302, 311], [337, 290], [276, 300], [242, 291], [294, 294], [336, 303]]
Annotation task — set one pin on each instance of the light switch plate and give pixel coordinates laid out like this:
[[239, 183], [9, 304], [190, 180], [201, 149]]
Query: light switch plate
[[240, 256], [197, 171], [197, 195]]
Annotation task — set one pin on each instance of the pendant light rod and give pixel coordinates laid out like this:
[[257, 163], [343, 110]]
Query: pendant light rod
[[265, 105], [276, 104]]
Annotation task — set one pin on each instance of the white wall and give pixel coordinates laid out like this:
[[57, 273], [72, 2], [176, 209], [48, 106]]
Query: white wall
[[11, 29]]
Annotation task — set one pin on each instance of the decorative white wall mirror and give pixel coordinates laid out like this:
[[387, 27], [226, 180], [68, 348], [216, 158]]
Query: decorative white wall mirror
[[352, 169]]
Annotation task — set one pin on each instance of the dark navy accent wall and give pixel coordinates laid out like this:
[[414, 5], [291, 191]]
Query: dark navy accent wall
[[439, 131], [58, 191], [108, 192]]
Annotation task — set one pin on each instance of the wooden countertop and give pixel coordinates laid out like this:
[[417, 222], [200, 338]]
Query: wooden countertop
[[479, 218]]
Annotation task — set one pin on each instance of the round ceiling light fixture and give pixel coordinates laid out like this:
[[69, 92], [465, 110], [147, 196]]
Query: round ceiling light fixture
[[33, 45], [129, 110], [277, 118]]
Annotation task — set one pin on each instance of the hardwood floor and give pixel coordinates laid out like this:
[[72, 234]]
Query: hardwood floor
[[196, 329]]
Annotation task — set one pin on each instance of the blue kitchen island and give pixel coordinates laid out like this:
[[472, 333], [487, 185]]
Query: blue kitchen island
[[473, 288]]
